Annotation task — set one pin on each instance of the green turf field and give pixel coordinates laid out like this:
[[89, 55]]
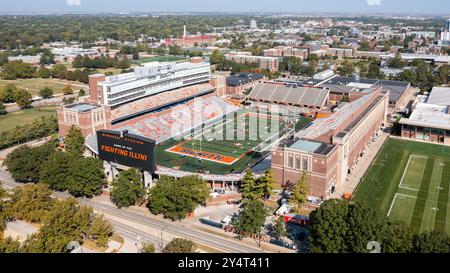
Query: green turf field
[[409, 181], [235, 138]]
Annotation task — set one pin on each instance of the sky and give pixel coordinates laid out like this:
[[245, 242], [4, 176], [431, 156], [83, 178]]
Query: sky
[[316, 6]]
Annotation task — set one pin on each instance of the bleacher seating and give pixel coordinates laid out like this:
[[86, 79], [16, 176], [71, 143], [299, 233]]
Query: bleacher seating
[[180, 119]]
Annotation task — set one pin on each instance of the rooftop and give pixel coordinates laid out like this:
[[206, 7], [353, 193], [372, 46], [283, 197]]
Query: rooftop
[[440, 96], [81, 107], [430, 116], [312, 147], [243, 78]]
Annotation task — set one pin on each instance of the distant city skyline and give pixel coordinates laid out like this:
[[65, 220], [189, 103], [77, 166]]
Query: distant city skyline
[[298, 6]]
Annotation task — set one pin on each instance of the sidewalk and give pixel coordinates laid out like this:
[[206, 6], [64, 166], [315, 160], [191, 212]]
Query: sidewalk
[[360, 169]]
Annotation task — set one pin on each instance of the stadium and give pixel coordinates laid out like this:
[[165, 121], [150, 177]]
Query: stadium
[[176, 105]]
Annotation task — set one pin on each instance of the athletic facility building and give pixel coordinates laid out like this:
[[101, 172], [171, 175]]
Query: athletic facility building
[[354, 88], [176, 106], [327, 150], [430, 119]]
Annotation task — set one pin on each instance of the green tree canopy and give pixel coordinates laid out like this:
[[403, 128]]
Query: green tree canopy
[[23, 98], [56, 170], [30, 203], [87, 177], [176, 198], [74, 142], [127, 188], [46, 92], [431, 242], [24, 163], [251, 218], [180, 245]]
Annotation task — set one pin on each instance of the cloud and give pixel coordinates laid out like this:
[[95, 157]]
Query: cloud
[[73, 2], [374, 2]]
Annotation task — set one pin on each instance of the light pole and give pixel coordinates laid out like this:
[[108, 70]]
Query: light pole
[[161, 241]]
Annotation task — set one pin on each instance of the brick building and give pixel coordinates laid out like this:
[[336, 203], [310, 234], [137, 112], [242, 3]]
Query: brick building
[[327, 150]]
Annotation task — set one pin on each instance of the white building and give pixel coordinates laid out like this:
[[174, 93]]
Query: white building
[[151, 79], [253, 24]]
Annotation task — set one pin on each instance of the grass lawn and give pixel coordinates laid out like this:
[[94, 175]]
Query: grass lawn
[[409, 181], [168, 58], [34, 85], [10, 120]]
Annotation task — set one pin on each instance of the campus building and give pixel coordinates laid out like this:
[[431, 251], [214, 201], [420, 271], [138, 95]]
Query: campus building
[[238, 84], [265, 63], [326, 151], [286, 51], [430, 118], [353, 88]]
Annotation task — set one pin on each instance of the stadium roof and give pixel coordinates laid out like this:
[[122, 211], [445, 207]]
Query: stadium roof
[[331, 123], [275, 93], [351, 84], [440, 96]]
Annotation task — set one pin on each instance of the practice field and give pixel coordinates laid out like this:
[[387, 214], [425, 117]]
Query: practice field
[[410, 182], [227, 146], [34, 85]]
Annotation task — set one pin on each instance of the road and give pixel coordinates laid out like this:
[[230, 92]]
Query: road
[[132, 224]]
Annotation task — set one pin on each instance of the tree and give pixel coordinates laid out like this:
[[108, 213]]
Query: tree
[[4, 209], [43, 72], [328, 227], [280, 228], [67, 90], [299, 192], [7, 93], [59, 71], [374, 72], [180, 245], [2, 109], [147, 248], [443, 74], [249, 187], [217, 57], [74, 141], [82, 92], [55, 171], [46, 92], [347, 68], [265, 183], [23, 98], [176, 198], [251, 219], [398, 238], [127, 188], [365, 225], [364, 46], [99, 231], [87, 177], [77, 62], [30, 203], [9, 245], [24, 163], [431, 242], [66, 222], [18, 70]]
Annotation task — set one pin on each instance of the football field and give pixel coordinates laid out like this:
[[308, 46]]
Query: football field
[[409, 181], [229, 140]]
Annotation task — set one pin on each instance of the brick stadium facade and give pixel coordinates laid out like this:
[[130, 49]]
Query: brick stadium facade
[[327, 150]]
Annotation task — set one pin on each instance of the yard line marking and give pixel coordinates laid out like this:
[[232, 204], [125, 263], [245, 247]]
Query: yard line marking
[[395, 197], [406, 169]]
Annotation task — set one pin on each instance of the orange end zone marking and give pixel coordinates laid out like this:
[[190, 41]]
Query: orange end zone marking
[[203, 155]]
